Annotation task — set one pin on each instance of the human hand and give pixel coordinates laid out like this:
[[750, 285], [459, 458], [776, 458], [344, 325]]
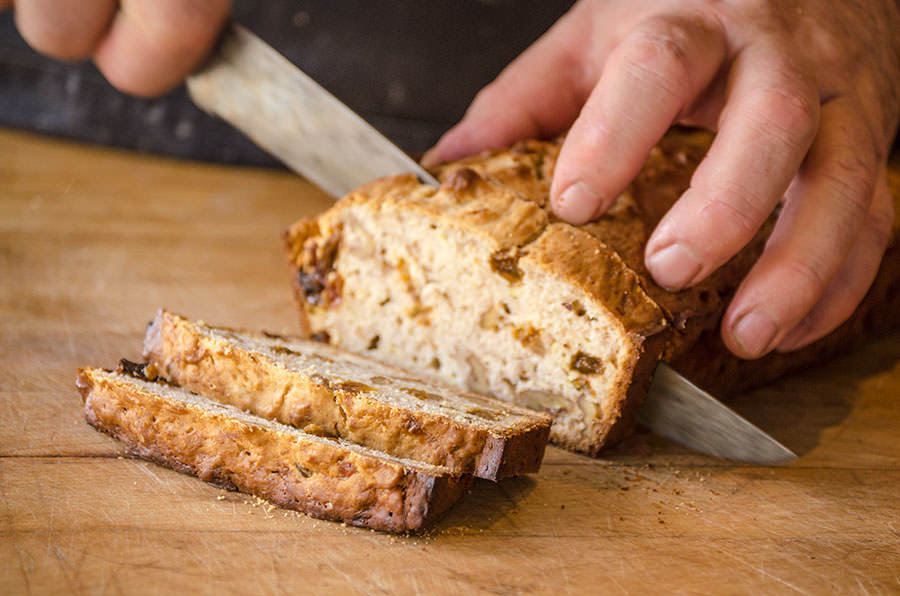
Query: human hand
[[143, 47], [804, 96]]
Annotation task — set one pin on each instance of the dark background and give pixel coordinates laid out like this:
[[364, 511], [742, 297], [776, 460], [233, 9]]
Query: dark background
[[409, 67]]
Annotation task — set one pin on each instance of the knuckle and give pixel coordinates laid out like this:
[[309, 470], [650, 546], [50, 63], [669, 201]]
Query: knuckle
[[735, 209], [663, 39], [852, 180], [808, 272], [789, 112], [658, 52]]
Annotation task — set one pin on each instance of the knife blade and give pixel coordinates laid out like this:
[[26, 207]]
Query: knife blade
[[678, 409], [260, 92]]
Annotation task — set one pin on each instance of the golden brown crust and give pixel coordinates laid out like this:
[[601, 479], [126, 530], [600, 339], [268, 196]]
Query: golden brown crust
[[586, 262], [322, 478], [526, 168], [295, 237], [465, 199], [192, 356]]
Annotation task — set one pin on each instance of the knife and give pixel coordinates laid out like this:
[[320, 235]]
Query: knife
[[260, 92]]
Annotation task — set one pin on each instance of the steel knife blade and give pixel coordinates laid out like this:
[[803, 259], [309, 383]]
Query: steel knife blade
[[678, 409], [260, 92]]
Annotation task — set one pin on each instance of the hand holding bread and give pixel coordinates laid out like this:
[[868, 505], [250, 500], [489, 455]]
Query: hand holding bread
[[804, 97]]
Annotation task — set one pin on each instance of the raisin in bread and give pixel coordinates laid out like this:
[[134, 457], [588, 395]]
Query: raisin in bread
[[477, 282], [312, 385], [323, 477]]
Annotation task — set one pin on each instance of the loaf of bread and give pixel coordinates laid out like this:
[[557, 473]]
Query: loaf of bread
[[323, 477], [478, 283], [309, 384]]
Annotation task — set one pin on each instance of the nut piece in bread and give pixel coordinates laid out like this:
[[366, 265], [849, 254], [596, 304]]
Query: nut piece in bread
[[322, 477], [309, 384]]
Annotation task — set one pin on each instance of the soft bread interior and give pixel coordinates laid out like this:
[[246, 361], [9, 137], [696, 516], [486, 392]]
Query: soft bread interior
[[434, 297], [389, 384]]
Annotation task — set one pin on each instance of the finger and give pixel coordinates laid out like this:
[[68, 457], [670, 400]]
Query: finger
[[153, 45], [816, 230], [649, 78], [852, 282], [537, 96], [60, 29], [765, 130]]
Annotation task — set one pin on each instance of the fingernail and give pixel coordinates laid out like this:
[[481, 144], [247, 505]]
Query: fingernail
[[577, 204], [673, 267], [754, 333]]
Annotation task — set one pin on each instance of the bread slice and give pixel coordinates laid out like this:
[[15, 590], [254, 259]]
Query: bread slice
[[309, 384], [320, 476], [478, 283]]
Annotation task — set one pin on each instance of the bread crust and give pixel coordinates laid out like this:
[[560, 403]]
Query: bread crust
[[323, 478], [190, 355]]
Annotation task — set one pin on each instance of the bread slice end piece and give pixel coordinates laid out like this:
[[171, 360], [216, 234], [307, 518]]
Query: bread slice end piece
[[320, 477]]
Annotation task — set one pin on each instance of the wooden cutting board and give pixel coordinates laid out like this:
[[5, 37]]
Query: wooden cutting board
[[92, 241]]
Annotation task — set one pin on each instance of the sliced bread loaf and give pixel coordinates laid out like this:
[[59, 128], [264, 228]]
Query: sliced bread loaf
[[320, 476], [311, 385], [478, 283]]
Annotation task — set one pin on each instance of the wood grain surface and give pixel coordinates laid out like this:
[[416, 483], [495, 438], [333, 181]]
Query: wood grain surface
[[92, 241]]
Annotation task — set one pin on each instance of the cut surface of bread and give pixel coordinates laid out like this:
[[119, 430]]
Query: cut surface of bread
[[475, 284], [311, 385], [322, 477], [478, 283]]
